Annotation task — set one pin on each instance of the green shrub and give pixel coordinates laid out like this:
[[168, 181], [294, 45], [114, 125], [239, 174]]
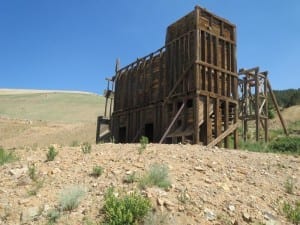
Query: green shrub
[[128, 209], [97, 171], [285, 144], [70, 198], [32, 172], [289, 185], [253, 146], [51, 154], [88, 221], [143, 141], [52, 216], [271, 113], [292, 213], [6, 157], [75, 143], [130, 178], [36, 187], [86, 147], [158, 175]]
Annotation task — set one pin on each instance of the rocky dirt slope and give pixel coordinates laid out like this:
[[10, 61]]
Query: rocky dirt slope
[[209, 186]]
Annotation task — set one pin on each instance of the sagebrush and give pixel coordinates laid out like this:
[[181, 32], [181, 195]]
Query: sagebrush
[[97, 171], [86, 147], [143, 141], [71, 197], [130, 178], [157, 175], [289, 185], [52, 216], [32, 172]]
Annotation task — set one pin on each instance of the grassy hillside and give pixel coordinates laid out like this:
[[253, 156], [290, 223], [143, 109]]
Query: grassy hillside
[[52, 107]]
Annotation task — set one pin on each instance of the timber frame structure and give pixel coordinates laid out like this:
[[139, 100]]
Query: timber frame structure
[[187, 91], [255, 88]]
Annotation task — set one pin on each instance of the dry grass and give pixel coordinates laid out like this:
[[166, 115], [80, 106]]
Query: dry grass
[[41, 119], [52, 107]]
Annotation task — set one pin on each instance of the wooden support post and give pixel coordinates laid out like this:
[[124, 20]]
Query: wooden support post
[[226, 123], [98, 129], [277, 107], [225, 134], [110, 107], [208, 121], [218, 118], [257, 104], [236, 135], [196, 120], [245, 108], [266, 112], [106, 99]]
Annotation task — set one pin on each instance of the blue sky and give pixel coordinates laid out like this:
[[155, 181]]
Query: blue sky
[[73, 44]]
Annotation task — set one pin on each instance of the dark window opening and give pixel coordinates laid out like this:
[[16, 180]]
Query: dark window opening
[[179, 105], [189, 103], [179, 122], [149, 131], [170, 107], [189, 139], [179, 139], [168, 140], [122, 134]]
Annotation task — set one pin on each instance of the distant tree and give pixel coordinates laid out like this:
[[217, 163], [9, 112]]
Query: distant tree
[[287, 98]]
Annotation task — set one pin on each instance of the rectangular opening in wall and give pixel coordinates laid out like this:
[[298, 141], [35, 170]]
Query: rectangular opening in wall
[[149, 131], [170, 107], [189, 103], [122, 134], [188, 139], [179, 139], [179, 105], [168, 140]]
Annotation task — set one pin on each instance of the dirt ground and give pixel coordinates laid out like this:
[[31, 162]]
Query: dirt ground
[[209, 186]]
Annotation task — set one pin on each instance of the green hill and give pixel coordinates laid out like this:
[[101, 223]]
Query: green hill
[[52, 106]]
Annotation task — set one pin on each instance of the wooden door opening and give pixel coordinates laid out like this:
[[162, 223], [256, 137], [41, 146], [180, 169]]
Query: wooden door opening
[[149, 131]]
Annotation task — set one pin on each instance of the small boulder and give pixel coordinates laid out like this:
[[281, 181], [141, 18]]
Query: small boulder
[[246, 217], [209, 214], [30, 214]]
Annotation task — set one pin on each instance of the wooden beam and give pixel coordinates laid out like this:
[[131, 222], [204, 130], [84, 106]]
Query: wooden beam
[[207, 120], [230, 129], [257, 104], [277, 107], [178, 82], [172, 123], [196, 138], [218, 117], [226, 123]]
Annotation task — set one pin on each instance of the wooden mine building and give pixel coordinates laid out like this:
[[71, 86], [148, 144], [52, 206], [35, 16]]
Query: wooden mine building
[[184, 92]]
